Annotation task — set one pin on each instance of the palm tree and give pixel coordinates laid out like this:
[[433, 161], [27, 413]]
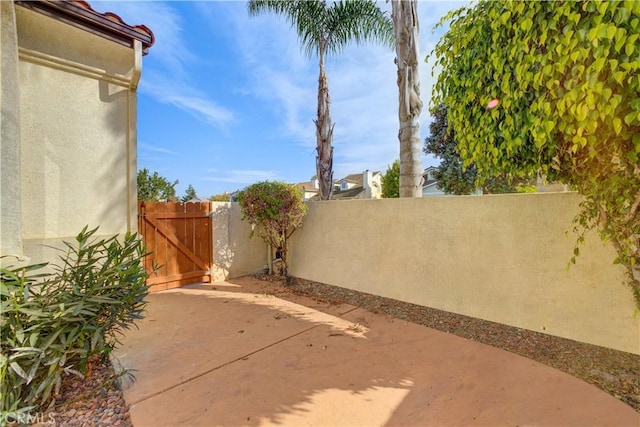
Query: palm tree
[[405, 22], [327, 29]]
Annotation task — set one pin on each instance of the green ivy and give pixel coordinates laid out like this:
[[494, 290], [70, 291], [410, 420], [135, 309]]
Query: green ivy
[[455, 178], [275, 209], [567, 78]]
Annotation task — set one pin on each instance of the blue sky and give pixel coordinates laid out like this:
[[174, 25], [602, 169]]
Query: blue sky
[[227, 100]]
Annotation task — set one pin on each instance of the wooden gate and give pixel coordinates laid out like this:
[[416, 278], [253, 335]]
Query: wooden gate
[[179, 237]]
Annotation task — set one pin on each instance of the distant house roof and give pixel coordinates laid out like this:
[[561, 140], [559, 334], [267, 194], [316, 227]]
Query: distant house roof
[[307, 187], [81, 15], [355, 178], [425, 175], [351, 193]]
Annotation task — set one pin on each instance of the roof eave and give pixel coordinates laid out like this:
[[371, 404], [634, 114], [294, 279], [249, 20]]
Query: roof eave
[[82, 16]]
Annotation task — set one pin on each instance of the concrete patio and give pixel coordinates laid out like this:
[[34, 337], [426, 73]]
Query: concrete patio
[[250, 353]]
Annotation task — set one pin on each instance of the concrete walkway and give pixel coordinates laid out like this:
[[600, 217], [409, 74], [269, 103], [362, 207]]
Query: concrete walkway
[[229, 354]]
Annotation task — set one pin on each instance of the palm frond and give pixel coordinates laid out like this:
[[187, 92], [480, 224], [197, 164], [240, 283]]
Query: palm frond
[[325, 29], [357, 20]]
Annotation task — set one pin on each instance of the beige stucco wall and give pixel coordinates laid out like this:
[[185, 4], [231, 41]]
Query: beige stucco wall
[[234, 252], [501, 258], [77, 125], [10, 195]]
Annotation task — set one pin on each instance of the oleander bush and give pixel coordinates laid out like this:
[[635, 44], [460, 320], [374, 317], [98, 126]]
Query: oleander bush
[[54, 319]]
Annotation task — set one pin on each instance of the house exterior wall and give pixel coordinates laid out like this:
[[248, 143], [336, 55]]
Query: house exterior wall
[[501, 258], [10, 196], [372, 183], [376, 189], [77, 141], [431, 191], [309, 194]]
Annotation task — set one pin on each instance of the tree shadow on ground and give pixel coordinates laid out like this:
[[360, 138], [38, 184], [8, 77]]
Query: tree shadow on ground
[[239, 355]]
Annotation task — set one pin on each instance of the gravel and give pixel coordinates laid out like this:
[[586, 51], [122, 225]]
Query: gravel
[[94, 400], [97, 401]]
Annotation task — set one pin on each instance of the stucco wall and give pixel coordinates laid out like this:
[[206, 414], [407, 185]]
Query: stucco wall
[[76, 111], [500, 258], [10, 196], [234, 253]]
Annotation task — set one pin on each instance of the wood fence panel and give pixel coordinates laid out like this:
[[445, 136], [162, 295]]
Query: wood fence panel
[[178, 235]]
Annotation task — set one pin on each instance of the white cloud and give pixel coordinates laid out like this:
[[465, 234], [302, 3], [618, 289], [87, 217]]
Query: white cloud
[[151, 148], [186, 98], [244, 176], [169, 48], [166, 74], [278, 72], [213, 113], [362, 86]]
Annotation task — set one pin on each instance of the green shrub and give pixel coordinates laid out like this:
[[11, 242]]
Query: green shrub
[[275, 209], [53, 322]]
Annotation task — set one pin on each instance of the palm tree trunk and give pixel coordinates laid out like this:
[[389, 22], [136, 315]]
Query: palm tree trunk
[[324, 135], [405, 23]]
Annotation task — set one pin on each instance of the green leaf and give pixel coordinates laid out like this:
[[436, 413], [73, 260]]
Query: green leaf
[[504, 18], [602, 7], [629, 118], [629, 48], [617, 125], [33, 339], [598, 65], [549, 126], [621, 16], [20, 335], [18, 370], [636, 142]]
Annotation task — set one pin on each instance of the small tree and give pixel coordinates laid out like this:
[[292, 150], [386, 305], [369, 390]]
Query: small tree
[[155, 188], [189, 194], [391, 181], [275, 210]]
